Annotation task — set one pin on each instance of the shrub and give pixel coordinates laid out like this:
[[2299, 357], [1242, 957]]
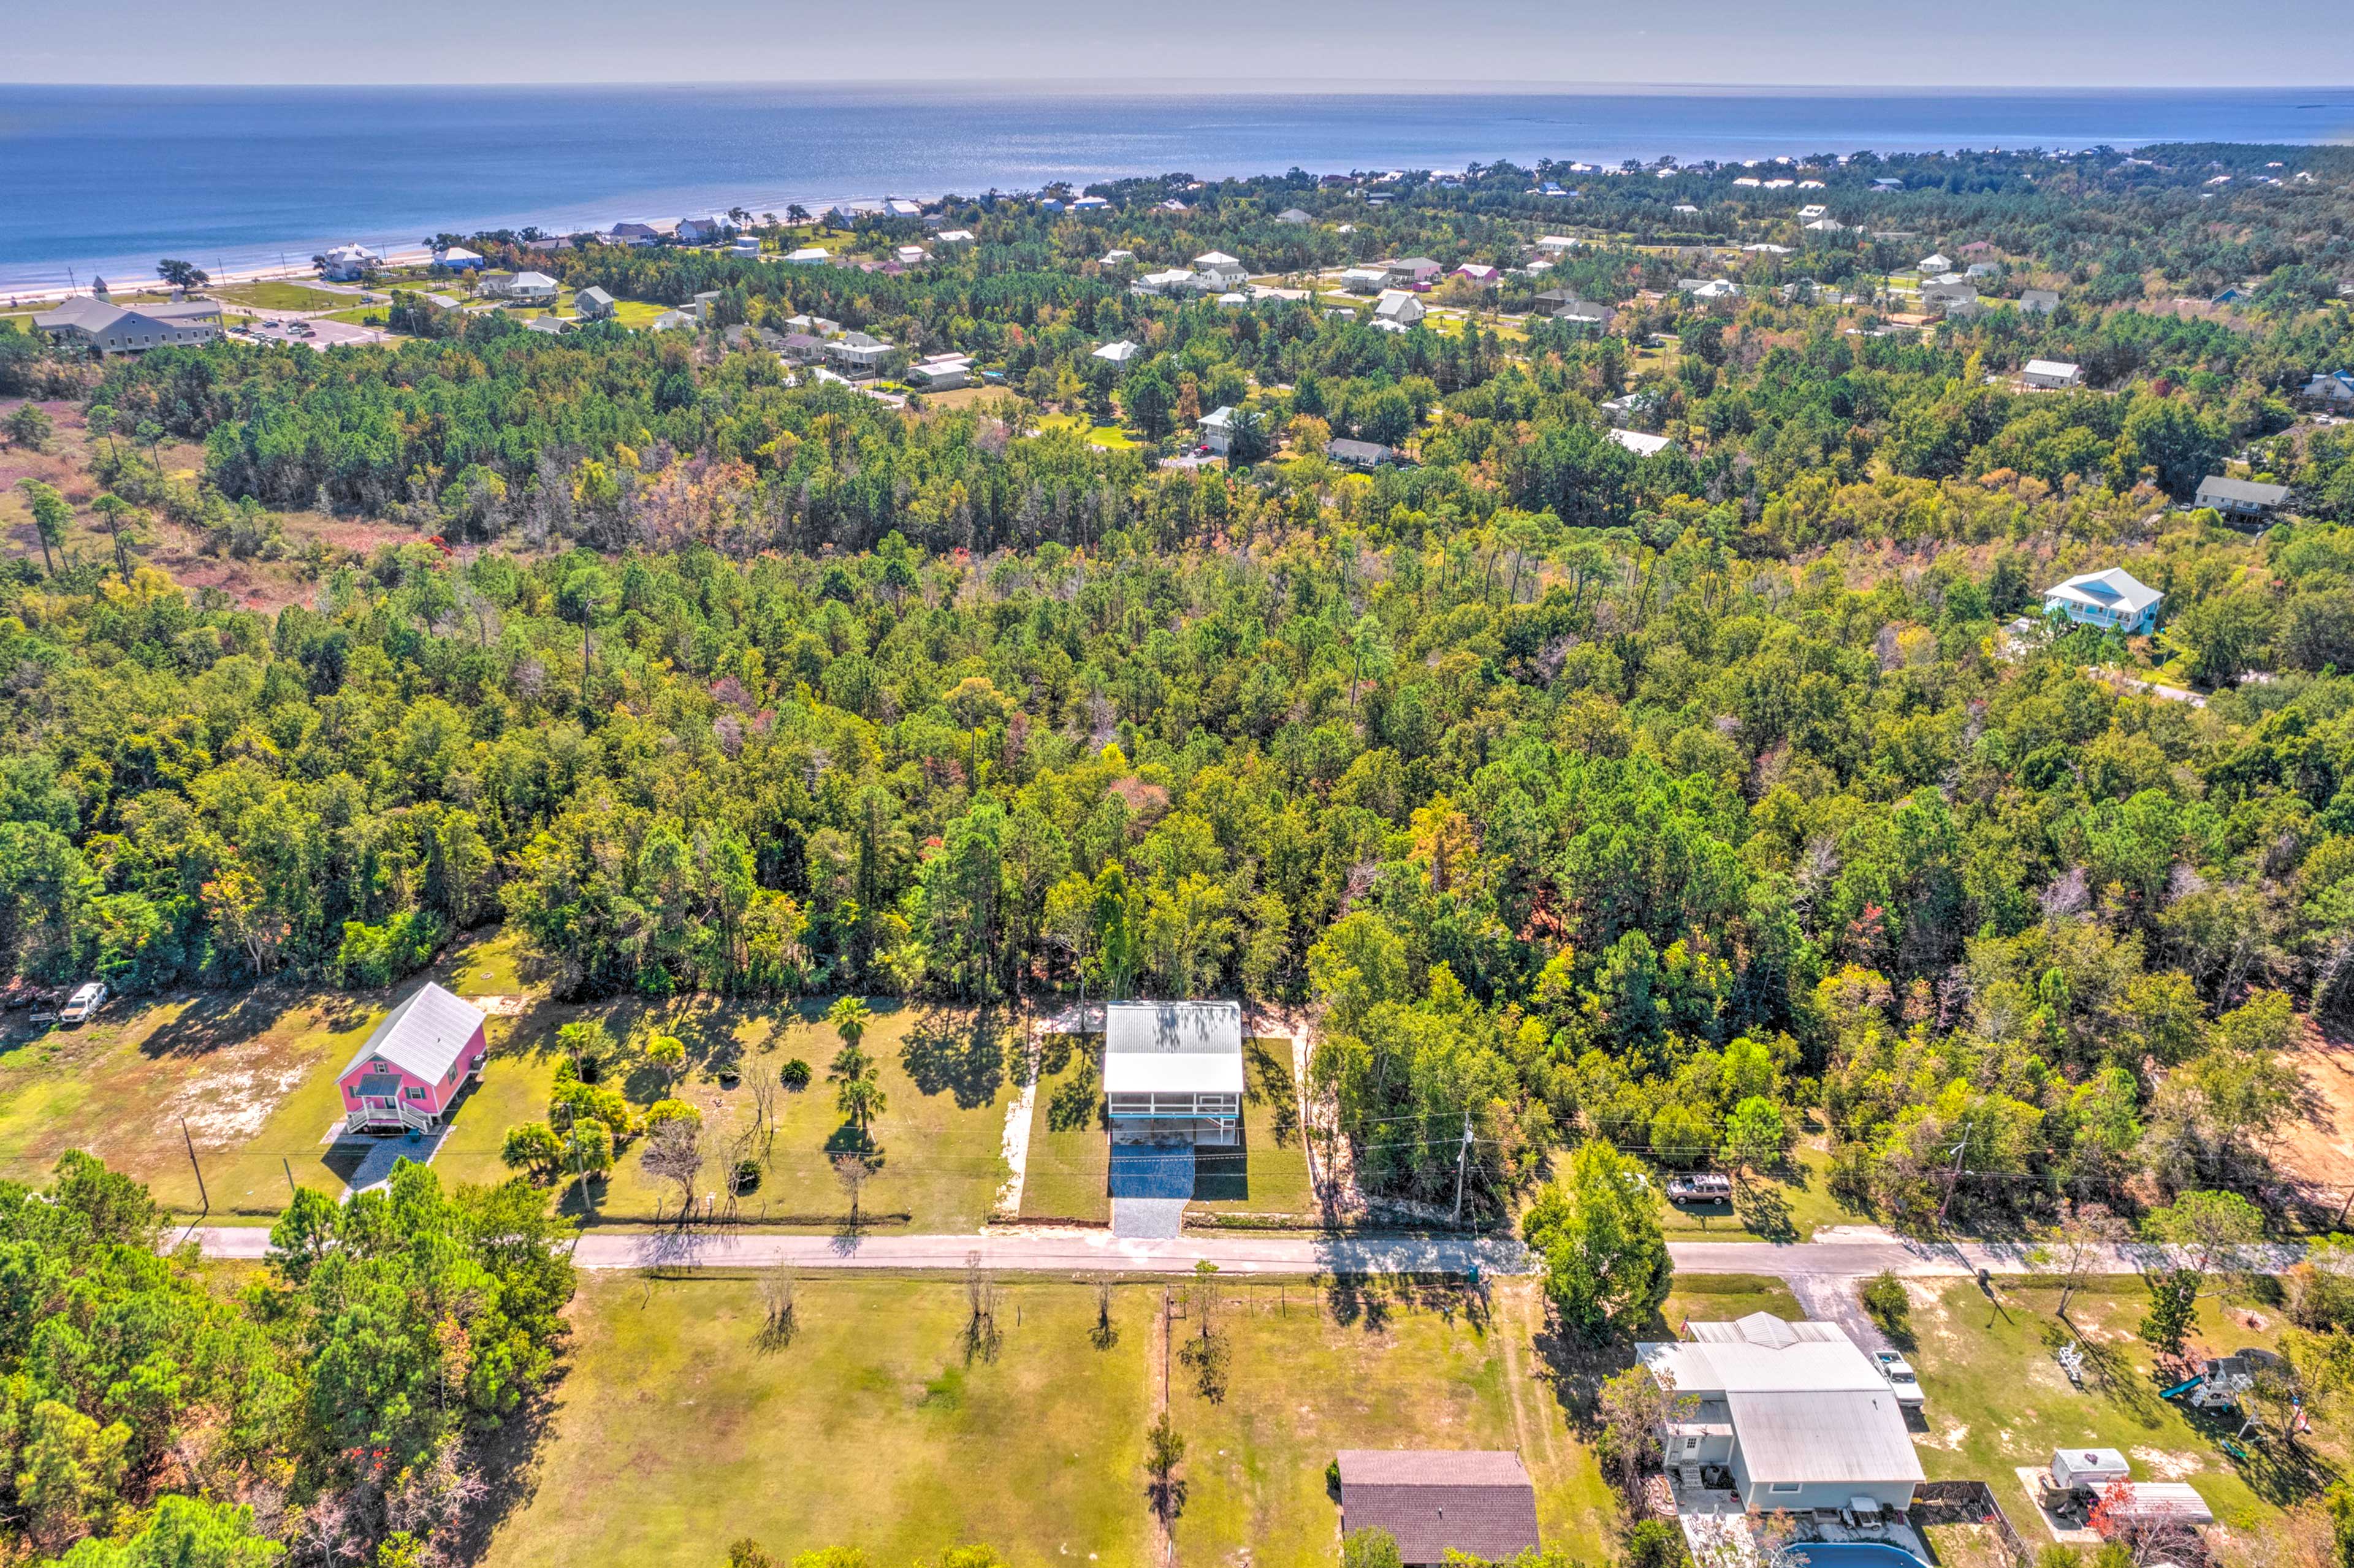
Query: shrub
[[748, 1175], [665, 1111], [1656, 1544], [1884, 1298], [795, 1074]]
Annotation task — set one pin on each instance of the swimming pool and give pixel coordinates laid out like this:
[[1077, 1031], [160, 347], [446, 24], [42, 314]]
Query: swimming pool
[[1852, 1554]]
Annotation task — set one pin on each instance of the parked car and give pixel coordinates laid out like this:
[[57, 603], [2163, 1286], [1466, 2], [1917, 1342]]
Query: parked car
[[1899, 1374], [83, 1004], [1700, 1187]]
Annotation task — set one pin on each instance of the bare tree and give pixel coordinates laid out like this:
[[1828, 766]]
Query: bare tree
[[1205, 1351], [981, 1334], [2077, 1246], [853, 1170], [765, 1090], [780, 1302], [1106, 1333], [675, 1152]]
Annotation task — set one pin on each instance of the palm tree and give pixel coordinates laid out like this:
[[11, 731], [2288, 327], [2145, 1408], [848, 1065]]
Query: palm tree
[[862, 1098], [850, 1015]]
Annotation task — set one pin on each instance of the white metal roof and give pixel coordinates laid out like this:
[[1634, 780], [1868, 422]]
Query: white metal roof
[[1805, 1404], [1639, 443], [423, 1036], [1174, 1047], [2058, 367], [2115, 588]]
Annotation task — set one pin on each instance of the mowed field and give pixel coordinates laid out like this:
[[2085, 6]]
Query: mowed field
[[683, 1423], [254, 1073]]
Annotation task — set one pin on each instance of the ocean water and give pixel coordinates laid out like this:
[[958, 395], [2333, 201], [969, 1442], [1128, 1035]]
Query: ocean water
[[107, 179]]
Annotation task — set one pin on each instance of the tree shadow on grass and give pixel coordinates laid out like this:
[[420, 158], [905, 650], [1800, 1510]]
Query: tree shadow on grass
[[2282, 1475], [213, 1023], [1765, 1210], [1077, 1102], [1576, 1368], [507, 1458], [1266, 1081], [964, 1057], [2109, 1373]]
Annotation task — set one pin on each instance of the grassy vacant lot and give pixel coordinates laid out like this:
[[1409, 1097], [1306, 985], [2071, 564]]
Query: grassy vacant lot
[[638, 312], [1998, 1399], [948, 1077], [1110, 436], [1376, 1366], [680, 1425], [276, 294]]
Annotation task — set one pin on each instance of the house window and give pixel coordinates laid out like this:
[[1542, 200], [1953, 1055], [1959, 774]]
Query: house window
[[1786, 1486], [1691, 1445], [416, 1094]]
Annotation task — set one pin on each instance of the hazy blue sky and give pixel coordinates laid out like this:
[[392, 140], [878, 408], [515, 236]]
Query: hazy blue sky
[[1325, 44]]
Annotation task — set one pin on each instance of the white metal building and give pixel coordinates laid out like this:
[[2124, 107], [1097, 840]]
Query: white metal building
[[1796, 1414], [1174, 1070]]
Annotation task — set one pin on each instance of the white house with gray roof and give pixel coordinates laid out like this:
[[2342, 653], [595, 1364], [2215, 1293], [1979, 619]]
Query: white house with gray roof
[[1794, 1413], [1173, 1070], [2114, 601]]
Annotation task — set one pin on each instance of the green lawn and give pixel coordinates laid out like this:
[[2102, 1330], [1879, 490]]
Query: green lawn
[[1269, 1174], [361, 315], [1998, 1399], [679, 1425], [676, 1429], [1110, 437], [1064, 1177], [1722, 1297], [946, 1075], [638, 312], [276, 294], [1376, 1366]]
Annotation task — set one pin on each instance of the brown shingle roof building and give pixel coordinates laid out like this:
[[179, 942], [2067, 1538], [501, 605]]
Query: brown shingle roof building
[[1433, 1502]]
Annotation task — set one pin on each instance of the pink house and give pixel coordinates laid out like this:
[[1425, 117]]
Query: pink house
[[410, 1070]]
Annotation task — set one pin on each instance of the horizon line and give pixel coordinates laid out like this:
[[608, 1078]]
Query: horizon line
[[1291, 86]]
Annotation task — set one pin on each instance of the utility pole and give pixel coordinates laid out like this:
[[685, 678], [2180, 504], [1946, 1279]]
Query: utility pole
[[1462, 1159], [199, 1170], [291, 1190], [1954, 1176]]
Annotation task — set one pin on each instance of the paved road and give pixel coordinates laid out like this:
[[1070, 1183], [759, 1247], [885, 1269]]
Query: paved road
[[1051, 1252], [1836, 1258]]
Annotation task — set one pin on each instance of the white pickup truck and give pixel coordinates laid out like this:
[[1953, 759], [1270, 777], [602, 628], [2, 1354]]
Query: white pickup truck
[[83, 1004]]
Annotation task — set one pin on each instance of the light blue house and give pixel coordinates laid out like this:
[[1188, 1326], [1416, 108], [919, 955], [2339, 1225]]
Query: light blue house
[[2114, 601]]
